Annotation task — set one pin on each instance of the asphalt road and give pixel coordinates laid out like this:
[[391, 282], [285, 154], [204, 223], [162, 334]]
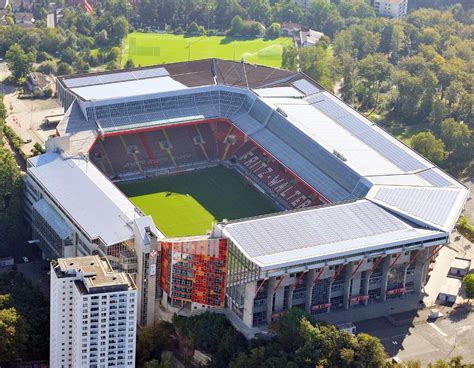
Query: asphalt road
[[426, 340]]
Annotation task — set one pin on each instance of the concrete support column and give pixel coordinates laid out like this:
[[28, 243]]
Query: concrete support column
[[329, 294], [421, 269], [272, 282], [405, 275], [384, 281], [347, 284], [250, 289], [365, 287], [292, 290], [279, 296], [290, 296], [310, 276]]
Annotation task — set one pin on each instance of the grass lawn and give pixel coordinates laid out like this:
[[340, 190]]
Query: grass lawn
[[188, 203], [154, 48]]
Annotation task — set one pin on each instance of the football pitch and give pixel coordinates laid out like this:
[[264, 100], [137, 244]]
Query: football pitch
[[189, 203], [154, 48]]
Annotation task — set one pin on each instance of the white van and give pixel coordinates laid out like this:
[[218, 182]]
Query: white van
[[349, 327]]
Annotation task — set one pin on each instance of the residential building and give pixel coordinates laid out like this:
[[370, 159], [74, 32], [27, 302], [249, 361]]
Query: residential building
[[391, 8], [309, 38], [93, 314]]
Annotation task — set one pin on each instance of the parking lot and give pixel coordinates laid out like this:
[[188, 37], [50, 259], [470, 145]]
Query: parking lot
[[25, 116], [35, 270], [413, 336], [419, 338]]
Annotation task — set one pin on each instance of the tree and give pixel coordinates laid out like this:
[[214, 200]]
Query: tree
[[287, 328], [112, 65], [348, 78], [236, 25], [113, 54], [318, 62], [259, 10], [129, 64], [253, 29], [273, 31], [355, 8], [3, 115], [393, 40], [68, 55], [409, 92], [10, 178], [28, 318], [167, 360], [469, 286], [152, 364], [152, 341], [373, 71], [211, 333], [12, 334], [64, 69], [120, 28], [289, 58], [428, 146], [287, 11], [19, 62], [357, 40], [102, 38], [369, 352], [226, 10], [458, 139], [47, 67]]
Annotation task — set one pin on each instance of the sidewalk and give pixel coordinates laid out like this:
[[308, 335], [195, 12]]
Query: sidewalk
[[374, 310]]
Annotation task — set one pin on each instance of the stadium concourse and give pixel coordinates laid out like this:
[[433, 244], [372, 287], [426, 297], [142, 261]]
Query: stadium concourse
[[360, 215]]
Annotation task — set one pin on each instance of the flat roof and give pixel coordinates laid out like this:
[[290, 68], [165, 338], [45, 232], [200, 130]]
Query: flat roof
[[128, 88], [91, 200], [451, 286], [97, 274], [461, 263], [285, 239], [434, 206]]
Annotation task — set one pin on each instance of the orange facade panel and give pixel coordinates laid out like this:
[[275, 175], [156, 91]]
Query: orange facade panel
[[195, 270]]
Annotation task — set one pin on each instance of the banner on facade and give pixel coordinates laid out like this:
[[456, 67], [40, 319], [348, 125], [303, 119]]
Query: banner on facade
[[396, 291], [320, 306]]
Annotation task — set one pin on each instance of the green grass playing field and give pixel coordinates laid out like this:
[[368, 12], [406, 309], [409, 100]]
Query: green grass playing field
[[154, 48], [188, 203]]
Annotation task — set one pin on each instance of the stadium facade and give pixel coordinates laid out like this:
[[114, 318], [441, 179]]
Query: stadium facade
[[362, 215]]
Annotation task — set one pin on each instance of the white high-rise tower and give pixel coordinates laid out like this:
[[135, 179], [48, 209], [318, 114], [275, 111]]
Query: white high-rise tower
[[93, 314]]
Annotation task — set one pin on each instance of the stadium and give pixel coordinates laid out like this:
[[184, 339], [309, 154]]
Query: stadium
[[226, 185]]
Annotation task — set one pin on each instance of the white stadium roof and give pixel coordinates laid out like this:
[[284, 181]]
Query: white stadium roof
[[319, 233], [89, 199], [340, 153], [128, 88]]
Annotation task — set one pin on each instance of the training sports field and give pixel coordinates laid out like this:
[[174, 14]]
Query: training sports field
[[188, 203], [154, 48]]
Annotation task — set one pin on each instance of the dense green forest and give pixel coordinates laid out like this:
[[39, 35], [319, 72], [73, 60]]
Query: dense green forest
[[24, 319], [295, 340], [414, 76]]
